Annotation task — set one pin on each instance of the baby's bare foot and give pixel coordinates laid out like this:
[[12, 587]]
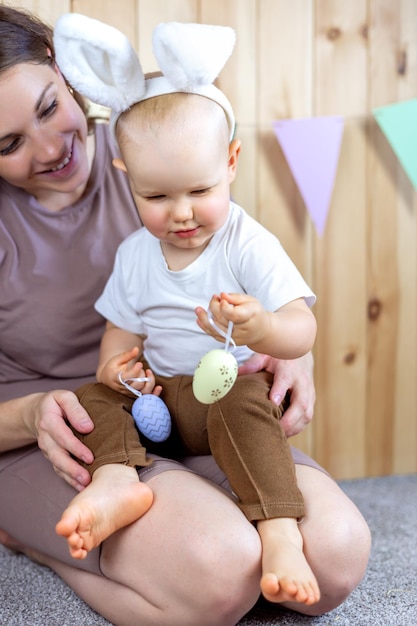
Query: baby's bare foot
[[114, 499], [286, 575]]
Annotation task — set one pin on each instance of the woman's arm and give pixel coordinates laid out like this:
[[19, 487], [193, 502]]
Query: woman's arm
[[15, 422], [42, 418]]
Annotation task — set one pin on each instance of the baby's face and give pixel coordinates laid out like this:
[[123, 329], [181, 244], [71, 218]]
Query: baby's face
[[180, 179]]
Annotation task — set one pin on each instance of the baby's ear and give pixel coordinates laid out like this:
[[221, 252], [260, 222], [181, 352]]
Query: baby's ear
[[234, 151], [119, 164]]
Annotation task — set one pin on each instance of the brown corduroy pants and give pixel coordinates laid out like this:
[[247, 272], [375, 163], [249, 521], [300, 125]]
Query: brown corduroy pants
[[242, 431]]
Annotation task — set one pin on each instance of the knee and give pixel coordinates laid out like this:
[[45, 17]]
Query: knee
[[344, 561], [230, 578], [351, 545]]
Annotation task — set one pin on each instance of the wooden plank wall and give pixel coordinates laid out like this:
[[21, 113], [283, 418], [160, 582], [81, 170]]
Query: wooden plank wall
[[309, 58]]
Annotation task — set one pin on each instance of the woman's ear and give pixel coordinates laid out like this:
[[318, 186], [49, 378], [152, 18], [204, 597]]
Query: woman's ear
[[119, 165], [234, 151]]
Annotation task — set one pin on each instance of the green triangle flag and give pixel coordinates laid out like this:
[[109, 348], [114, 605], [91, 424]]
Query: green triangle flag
[[398, 122]]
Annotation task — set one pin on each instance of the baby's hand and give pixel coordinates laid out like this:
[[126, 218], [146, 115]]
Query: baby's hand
[[246, 313], [129, 369]]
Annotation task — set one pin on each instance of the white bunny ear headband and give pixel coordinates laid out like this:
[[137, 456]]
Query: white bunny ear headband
[[101, 64]]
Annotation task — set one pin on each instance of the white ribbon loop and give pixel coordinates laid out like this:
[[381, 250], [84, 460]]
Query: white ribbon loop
[[125, 383], [227, 336]]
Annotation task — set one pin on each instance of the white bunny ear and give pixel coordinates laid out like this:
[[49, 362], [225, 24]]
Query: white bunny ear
[[98, 61], [101, 64], [192, 55]]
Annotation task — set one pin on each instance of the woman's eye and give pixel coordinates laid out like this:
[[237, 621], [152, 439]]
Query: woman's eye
[[10, 148], [50, 109]]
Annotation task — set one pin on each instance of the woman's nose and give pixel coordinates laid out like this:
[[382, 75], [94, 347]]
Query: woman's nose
[[50, 148]]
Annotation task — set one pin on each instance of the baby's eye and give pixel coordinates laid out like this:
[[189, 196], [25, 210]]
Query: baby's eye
[[200, 192], [151, 198]]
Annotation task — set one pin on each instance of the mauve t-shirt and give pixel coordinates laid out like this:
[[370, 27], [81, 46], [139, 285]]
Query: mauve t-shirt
[[53, 267]]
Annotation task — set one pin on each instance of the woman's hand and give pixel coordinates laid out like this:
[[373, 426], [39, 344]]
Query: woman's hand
[[55, 438], [294, 377]]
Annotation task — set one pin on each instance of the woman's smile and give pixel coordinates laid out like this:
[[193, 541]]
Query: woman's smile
[[65, 162], [64, 168]]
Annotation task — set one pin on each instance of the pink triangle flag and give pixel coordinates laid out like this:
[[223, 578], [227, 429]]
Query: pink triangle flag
[[311, 147]]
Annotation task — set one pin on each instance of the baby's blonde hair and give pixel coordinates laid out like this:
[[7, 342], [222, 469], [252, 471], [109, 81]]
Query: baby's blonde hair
[[172, 112]]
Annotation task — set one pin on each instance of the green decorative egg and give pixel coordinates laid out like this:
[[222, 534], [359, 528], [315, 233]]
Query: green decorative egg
[[214, 376]]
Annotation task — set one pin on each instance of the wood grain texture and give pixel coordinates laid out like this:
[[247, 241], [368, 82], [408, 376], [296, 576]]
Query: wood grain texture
[[309, 58]]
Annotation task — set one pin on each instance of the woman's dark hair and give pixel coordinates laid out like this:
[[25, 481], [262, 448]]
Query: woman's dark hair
[[24, 38]]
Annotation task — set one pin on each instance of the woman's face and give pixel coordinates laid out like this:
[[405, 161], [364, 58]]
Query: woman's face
[[43, 132]]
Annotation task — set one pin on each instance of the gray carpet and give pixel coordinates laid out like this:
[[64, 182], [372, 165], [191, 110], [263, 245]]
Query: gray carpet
[[31, 595]]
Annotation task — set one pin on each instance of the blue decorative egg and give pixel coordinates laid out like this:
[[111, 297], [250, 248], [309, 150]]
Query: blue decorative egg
[[152, 417]]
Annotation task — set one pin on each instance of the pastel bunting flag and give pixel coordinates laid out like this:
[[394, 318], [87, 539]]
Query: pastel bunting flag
[[312, 147], [398, 122]]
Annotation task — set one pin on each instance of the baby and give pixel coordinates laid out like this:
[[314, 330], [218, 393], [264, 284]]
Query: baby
[[180, 155]]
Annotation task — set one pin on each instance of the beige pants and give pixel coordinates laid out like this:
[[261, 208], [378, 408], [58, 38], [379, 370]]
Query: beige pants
[[33, 497]]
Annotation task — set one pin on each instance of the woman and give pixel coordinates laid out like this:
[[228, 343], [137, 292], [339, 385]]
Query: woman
[[193, 558]]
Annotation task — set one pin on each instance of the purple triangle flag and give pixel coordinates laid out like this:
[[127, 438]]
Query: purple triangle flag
[[311, 147]]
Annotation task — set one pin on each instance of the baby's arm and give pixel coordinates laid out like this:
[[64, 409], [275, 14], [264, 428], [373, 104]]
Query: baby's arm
[[119, 353], [287, 333]]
